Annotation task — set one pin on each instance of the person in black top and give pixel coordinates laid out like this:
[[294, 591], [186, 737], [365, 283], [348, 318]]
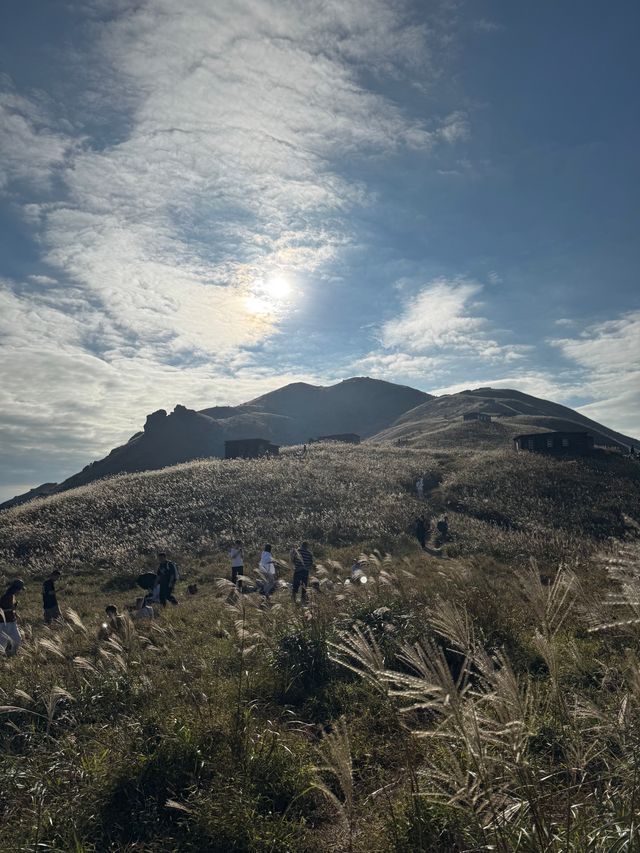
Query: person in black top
[[10, 636], [303, 562], [421, 531], [443, 529], [49, 599], [167, 576]]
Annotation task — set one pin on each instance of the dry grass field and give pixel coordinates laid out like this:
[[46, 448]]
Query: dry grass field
[[480, 696]]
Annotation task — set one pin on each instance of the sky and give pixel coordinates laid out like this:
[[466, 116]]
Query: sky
[[202, 201]]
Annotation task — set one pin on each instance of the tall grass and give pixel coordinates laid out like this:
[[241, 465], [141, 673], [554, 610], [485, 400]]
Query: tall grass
[[472, 698]]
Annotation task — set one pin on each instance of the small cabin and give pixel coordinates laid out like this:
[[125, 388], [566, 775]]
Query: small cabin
[[477, 416], [569, 443], [249, 448], [345, 437]]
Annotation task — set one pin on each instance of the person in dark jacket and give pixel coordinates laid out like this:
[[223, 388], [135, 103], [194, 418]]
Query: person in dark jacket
[[49, 598], [421, 531], [443, 528], [303, 563], [10, 636], [167, 578]]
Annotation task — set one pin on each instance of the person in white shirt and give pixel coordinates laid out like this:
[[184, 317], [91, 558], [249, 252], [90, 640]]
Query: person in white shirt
[[420, 488], [237, 560], [267, 569]]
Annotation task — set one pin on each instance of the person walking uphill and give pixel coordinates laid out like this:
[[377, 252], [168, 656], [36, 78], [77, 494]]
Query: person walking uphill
[[303, 562], [167, 578], [10, 636], [421, 531], [49, 598]]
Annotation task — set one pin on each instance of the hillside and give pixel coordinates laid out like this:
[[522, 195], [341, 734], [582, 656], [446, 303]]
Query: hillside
[[502, 504], [438, 422], [454, 681], [289, 415]]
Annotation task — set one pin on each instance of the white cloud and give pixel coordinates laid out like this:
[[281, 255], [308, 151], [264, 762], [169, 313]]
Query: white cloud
[[611, 348], [445, 317], [393, 366], [437, 317], [608, 356], [229, 124], [30, 150], [240, 117]]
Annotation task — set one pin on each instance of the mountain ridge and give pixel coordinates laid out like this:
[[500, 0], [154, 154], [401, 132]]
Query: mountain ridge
[[374, 409], [291, 414]]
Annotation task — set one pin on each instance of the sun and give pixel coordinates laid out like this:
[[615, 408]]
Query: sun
[[277, 287]]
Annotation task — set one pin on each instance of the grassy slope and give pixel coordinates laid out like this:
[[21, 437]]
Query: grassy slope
[[205, 730], [335, 495]]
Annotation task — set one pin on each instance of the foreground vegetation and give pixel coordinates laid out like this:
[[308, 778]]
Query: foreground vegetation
[[465, 699], [445, 705]]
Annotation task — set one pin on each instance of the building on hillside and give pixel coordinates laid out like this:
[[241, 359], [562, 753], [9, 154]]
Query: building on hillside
[[345, 437], [477, 416], [562, 443], [249, 448]]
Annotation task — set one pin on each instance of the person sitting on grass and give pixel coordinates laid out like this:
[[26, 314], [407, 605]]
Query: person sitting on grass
[[143, 609], [49, 598], [167, 579], [115, 623], [10, 636]]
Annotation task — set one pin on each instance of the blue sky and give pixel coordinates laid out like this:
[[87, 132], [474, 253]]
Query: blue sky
[[202, 201]]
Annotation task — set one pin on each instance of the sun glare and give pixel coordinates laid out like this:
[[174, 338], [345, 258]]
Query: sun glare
[[270, 295], [276, 287]]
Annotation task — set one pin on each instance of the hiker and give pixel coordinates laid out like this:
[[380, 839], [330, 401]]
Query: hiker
[[143, 608], [421, 531], [10, 636], [357, 572], [168, 576], [237, 560], [420, 488], [443, 528], [303, 562], [115, 623], [49, 599], [267, 569]]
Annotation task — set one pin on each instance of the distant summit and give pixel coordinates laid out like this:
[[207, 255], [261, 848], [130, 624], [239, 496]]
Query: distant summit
[[439, 422], [289, 415]]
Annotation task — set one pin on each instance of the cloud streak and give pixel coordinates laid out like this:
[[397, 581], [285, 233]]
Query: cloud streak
[[212, 155]]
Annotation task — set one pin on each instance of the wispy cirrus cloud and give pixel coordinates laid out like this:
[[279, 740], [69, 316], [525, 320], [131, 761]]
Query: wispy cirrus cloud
[[446, 317], [237, 118], [31, 151], [201, 148]]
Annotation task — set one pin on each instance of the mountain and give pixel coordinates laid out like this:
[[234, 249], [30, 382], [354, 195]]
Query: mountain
[[381, 411], [289, 415], [439, 422]]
